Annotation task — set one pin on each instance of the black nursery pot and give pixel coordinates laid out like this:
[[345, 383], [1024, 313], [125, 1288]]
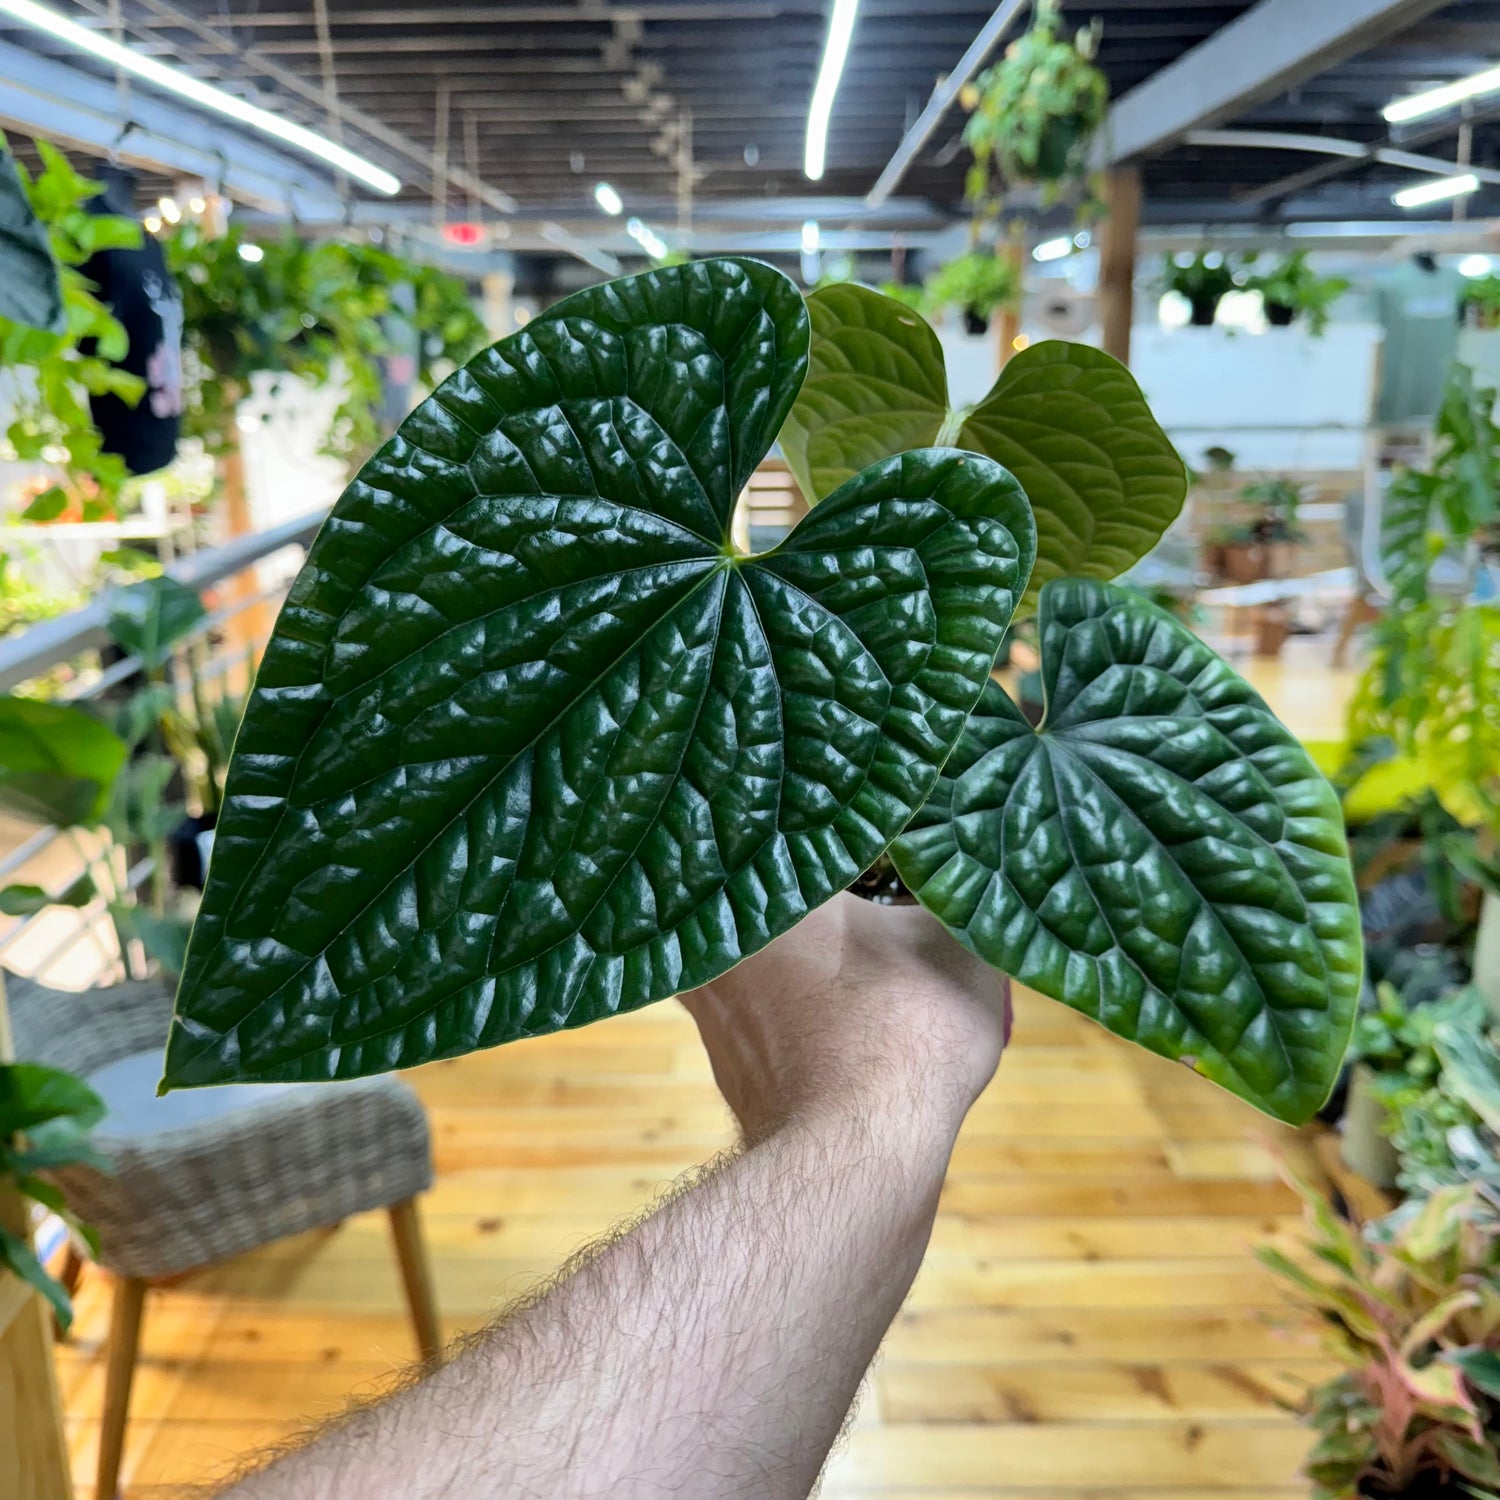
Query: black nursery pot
[[1280, 314], [183, 858], [974, 323], [1205, 310], [1426, 1487]]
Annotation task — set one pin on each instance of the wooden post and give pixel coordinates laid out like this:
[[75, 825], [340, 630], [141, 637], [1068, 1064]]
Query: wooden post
[[1122, 203], [33, 1449], [1008, 324], [246, 631]]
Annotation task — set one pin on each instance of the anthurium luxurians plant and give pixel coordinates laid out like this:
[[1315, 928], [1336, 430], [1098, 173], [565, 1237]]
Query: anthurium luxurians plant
[[533, 743]]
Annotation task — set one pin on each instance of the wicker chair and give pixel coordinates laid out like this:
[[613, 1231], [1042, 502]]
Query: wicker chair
[[209, 1173]]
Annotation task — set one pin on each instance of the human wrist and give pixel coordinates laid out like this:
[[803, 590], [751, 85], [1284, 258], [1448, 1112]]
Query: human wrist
[[907, 1098]]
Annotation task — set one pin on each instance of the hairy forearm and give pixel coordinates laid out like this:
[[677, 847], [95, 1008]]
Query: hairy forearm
[[714, 1350]]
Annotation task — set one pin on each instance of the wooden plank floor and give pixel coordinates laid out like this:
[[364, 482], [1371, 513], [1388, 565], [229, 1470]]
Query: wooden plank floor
[[1088, 1319], [1088, 1322]]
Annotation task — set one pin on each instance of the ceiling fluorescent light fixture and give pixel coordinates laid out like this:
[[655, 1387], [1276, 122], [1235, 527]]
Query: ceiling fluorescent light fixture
[[1436, 191], [835, 53], [1434, 101], [185, 86], [1361, 229], [1053, 249], [648, 239], [607, 198], [810, 236]]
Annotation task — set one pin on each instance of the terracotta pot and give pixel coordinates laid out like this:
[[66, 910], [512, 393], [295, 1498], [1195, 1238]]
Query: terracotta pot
[[1271, 630], [1242, 562], [1276, 559], [1363, 1147]]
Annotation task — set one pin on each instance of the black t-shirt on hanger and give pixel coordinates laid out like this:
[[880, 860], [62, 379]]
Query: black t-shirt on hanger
[[140, 292]]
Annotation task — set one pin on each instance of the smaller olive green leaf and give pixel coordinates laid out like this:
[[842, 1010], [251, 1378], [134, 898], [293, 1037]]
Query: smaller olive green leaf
[[26, 900], [148, 618], [22, 1260], [1161, 855], [875, 387], [57, 762], [1071, 424]]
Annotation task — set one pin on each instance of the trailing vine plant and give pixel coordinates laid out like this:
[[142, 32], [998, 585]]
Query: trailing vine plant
[[315, 309], [534, 743], [53, 369], [1033, 115]]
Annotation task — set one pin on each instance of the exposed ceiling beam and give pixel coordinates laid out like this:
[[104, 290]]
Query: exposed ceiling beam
[[67, 104], [1320, 172], [1274, 45], [1000, 21], [1330, 145], [221, 45]]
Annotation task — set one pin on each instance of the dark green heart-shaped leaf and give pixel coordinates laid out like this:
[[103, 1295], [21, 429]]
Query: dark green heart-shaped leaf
[[531, 744], [1068, 421], [1162, 855], [30, 290], [57, 763], [148, 618]]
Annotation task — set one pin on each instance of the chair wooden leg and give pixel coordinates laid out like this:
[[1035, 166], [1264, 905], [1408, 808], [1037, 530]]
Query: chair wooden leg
[[124, 1340], [416, 1276], [70, 1275]]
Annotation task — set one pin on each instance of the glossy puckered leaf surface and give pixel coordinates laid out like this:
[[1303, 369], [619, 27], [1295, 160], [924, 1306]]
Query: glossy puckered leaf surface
[[530, 745], [1162, 855], [1068, 421]]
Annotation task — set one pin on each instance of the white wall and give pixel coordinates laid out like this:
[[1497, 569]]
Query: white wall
[[1276, 400]]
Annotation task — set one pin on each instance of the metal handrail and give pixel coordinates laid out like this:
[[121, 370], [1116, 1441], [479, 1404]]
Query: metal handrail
[[42, 646]]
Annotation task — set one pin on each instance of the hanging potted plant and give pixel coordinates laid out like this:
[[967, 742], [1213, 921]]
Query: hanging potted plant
[[1034, 114], [1292, 289], [1482, 301], [1203, 279], [977, 285]]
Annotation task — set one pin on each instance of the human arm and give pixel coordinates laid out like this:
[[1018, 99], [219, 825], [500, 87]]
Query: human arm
[[715, 1348]]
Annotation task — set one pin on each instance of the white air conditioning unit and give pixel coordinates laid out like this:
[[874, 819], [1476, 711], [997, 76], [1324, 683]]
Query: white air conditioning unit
[[1062, 311]]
